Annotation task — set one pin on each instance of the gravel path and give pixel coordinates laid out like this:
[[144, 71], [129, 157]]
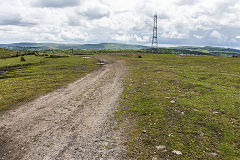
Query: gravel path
[[75, 122]]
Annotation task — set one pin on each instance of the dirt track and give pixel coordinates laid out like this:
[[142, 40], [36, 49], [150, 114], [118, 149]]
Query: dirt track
[[71, 123]]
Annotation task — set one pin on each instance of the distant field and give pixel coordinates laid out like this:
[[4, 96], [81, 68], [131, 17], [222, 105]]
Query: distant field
[[6, 53], [188, 104], [23, 81]]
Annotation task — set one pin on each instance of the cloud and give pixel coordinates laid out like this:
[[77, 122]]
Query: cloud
[[95, 13], [216, 34], [187, 2], [205, 22], [198, 36], [9, 19], [163, 16], [131, 38], [14, 19], [122, 38], [56, 3]]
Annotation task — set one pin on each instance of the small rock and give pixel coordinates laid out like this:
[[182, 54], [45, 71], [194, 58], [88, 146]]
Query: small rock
[[201, 134], [160, 147], [164, 150], [0, 97], [177, 152], [182, 113], [215, 112], [144, 131], [154, 158], [196, 110], [106, 143], [170, 135], [172, 101], [167, 97], [214, 154]]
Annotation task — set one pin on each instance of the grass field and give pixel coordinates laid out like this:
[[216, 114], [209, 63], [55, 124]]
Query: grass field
[[189, 104], [4, 53], [186, 104], [23, 81]]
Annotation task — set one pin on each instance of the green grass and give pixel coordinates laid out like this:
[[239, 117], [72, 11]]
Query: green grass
[[4, 53], [203, 117], [36, 76], [11, 62]]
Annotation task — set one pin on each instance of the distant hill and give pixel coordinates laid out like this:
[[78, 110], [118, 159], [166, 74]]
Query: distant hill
[[110, 47], [207, 50], [56, 46]]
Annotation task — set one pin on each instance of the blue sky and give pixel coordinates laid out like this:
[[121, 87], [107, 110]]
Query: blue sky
[[180, 22]]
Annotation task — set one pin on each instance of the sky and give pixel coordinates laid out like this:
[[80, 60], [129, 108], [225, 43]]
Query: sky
[[180, 22]]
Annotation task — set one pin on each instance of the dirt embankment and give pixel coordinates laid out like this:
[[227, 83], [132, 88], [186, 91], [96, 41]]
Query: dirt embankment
[[71, 123]]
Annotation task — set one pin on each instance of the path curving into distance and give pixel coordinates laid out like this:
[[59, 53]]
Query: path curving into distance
[[70, 123]]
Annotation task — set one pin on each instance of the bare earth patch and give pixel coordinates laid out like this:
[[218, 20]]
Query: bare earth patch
[[74, 122]]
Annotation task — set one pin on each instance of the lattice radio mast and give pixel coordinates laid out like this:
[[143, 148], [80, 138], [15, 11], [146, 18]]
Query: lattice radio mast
[[154, 38]]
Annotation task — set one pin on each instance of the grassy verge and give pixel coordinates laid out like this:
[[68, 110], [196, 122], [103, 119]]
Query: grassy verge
[[188, 104], [5, 53], [23, 81]]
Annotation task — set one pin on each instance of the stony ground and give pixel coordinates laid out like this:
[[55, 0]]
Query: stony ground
[[75, 122]]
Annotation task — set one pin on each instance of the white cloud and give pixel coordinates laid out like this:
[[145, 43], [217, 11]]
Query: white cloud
[[131, 38], [142, 39], [10, 19], [216, 34], [198, 36], [122, 38], [174, 35], [202, 22], [55, 3]]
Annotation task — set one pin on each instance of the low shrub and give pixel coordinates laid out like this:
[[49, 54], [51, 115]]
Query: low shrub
[[23, 59]]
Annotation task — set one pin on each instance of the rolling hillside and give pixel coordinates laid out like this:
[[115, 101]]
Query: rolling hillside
[[56, 46], [4, 53]]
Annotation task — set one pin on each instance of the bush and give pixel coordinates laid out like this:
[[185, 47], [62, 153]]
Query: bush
[[23, 59], [139, 56], [57, 56]]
